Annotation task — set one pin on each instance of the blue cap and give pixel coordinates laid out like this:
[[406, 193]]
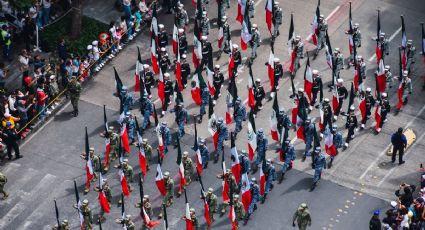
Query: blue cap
[[8, 124], [420, 199], [376, 213]]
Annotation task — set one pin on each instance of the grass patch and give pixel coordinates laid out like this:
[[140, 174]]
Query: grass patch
[[90, 31]]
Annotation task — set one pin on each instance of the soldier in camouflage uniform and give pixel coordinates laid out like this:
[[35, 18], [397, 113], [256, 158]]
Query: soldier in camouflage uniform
[[74, 88], [64, 225], [182, 17], [239, 209], [302, 216], [114, 139], [108, 194], [322, 27], [95, 161], [148, 151], [87, 215], [126, 222], [211, 199], [148, 209], [205, 24], [128, 172], [188, 170], [276, 18], [3, 181], [168, 198], [231, 181], [298, 46], [255, 41]]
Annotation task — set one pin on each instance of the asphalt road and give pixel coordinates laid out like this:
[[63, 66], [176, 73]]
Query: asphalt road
[[360, 181]]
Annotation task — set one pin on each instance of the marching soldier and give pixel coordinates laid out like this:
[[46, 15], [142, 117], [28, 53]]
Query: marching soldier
[[185, 70], [244, 162], [131, 126], [149, 79], [339, 61], [74, 88], [251, 8], [206, 49], [205, 24], [362, 66], [148, 151], [126, 99], [239, 115], [411, 50], [226, 36], [383, 43], [164, 131], [317, 87], [255, 197], [283, 121], [351, 125], [211, 199], [222, 8], [255, 41], [188, 170], [298, 46], [147, 111], [64, 225], [342, 95], [309, 136], [385, 109], [87, 215], [181, 118], [327, 115], [337, 141], [276, 18], [370, 102], [148, 209], [289, 152], [107, 190], [388, 76], [168, 93], [319, 164], [3, 181], [205, 154], [218, 80], [278, 72], [262, 145], [193, 218], [357, 39], [270, 172], [223, 135], [127, 222], [205, 96], [182, 17], [165, 63], [162, 37], [168, 198], [236, 56], [259, 95], [302, 216], [321, 38], [113, 143], [95, 161], [128, 172], [302, 99], [231, 181], [182, 42], [407, 86], [239, 209]]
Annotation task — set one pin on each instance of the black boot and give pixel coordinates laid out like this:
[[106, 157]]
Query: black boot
[[330, 163], [281, 178], [313, 186]]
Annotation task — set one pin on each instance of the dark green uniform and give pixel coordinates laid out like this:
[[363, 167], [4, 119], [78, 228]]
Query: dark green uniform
[[74, 94], [168, 198], [3, 181]]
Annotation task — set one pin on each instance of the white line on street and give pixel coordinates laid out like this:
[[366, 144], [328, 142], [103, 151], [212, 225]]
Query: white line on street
[[390, 39], [389, 145], [327, 18], [390, 172], [258, 3]]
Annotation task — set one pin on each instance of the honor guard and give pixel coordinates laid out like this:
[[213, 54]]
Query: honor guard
[[223, 135], [255, 41], [162, 36], [327, 115], [362, 66], [239, 115], [205, 154], [244, 162], [131, 126], [357, 39], [342, 95], [383, 43], [259, 95], [302, 99], [338, 61], [126, 222], [164, 131], [108, 194], [385, 109], [270, 172], [309, 132], [283, 121], [278, 72], [277, 18], [298, 47], [211, 199], [406, 84], [85, 211], [185, 70], [165, 60], [370, 103], [206, 48], [205, 24], [182, 16], [411, 50], [127, 100], [168, 198], [337, 141], [218, 80], [289, 152], [351, 125], [182, 42], [168, 93], [148, 79], [388, 76], [319, 165], [322, 27], [226, 36], [147, 111], [205, 96], [181, 118], [316, 88], [251, 8], [262, 145], [236, 56], [255, 197]]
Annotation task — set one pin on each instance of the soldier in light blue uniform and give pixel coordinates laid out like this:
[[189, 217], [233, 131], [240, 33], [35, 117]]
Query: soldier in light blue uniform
[[205, 24], [166, 135], [239, 115], [411, 50], [131, 126], [337, 140], [244, 162], [299, 50], [181, 118], [276, 18], [126, 100], [339, 61], [322, 27], [205, 154], [147, 110], [255, 41], [251, 8], [319, 165], [289, 151], [262, 143], [309, 135], [255, 197], [283, 121], [223, 135], [270, 177], [205, 95]]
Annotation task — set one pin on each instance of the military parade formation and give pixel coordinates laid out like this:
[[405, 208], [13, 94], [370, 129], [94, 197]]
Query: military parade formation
[[254, 172]]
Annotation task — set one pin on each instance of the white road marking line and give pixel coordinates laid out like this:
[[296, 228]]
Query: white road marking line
[[327, 18], [258, 3], [390, 39], [389, 145], [390, 172]]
